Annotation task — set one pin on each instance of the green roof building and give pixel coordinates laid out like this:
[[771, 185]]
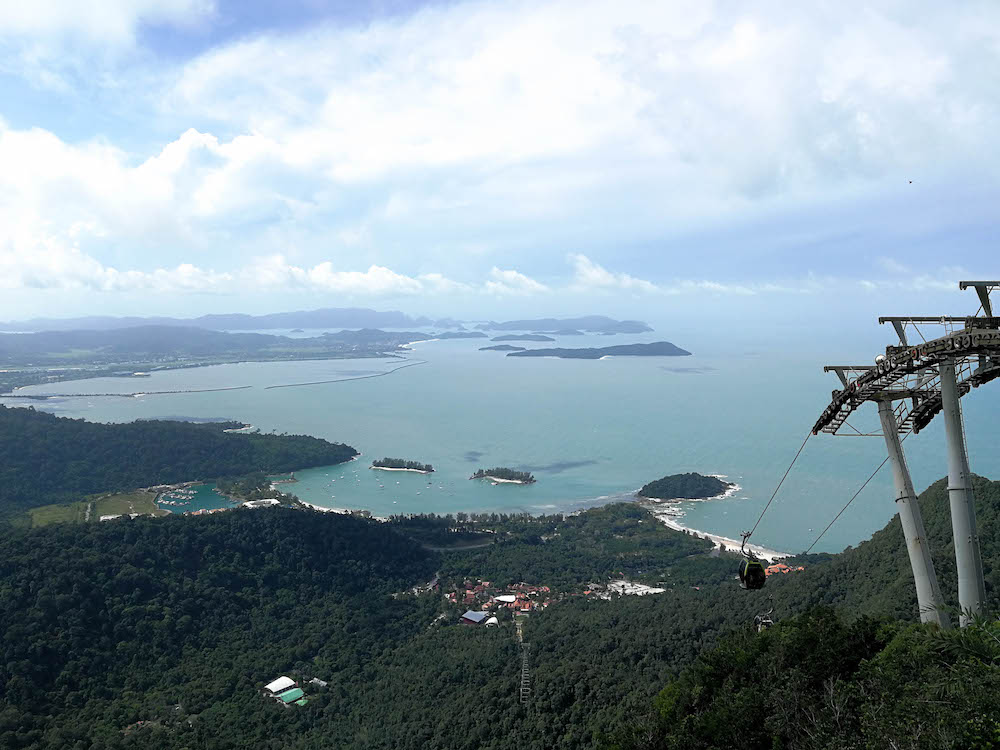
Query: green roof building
[[290, 696], [301, 701]]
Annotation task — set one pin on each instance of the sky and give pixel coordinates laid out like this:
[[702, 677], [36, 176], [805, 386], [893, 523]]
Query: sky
[[747, 164]]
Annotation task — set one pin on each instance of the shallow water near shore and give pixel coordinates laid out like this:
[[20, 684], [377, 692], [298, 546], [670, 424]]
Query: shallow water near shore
[[591, 431]]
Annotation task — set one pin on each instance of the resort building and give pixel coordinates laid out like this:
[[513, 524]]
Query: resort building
[[282, 683], [474, 618]]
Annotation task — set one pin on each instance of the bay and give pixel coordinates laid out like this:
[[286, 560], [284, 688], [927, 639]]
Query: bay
[[592, 431]]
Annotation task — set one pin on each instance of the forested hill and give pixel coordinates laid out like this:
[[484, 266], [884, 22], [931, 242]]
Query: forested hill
[[178, 622], [49, 459], [875, 577], [690, 486]]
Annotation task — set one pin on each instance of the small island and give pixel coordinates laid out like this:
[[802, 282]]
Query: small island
[[400, 464], [462, 335], [503, 474], [502, 348], [657, 349], [690, 486], [522, 337]]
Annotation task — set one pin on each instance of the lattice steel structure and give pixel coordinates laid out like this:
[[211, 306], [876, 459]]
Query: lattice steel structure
[[911, 383]]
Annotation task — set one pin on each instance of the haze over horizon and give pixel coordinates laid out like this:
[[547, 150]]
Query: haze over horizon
[[698, 162]]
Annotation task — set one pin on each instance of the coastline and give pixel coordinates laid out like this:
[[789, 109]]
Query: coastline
[[321, 509], [344, 511], [390, 468], [668, 517], [411, 344]]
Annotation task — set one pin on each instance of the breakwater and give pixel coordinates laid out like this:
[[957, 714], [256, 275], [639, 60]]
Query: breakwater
[[344, 380]]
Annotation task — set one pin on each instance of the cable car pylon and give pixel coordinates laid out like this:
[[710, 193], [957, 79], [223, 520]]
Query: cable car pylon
[[911, 384]]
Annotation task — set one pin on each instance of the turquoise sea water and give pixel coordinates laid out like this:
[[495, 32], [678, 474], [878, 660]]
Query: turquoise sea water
[[589, 430]]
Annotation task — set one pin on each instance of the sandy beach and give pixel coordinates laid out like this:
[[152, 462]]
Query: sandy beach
[[669, 517], [497, 479], [389, 468]]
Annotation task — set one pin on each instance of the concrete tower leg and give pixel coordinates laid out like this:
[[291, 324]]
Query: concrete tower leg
[[971, 587], [928, 593]]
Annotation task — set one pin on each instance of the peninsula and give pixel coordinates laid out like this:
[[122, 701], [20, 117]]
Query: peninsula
[[401, 464], [503, 474], [502, 348], [522, 337], [657, 349], [462, 335], [690, 486], [52, 356]]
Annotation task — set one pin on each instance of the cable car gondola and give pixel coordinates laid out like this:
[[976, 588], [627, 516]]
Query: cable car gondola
[[752, 574]]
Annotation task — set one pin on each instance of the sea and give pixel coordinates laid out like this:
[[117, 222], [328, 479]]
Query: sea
[[591, 431]]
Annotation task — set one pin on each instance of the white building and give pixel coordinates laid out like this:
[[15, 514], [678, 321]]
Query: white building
[[282, 683]]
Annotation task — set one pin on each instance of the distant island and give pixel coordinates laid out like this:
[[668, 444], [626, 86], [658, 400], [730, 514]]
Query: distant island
[[522, 337], [563, 332], [503, 474], [502, 348], [400, 464], [658, 349], [690, 486], [592, 323], [462, 335]]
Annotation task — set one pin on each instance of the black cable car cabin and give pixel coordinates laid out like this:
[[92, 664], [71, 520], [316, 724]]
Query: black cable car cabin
[[752, 575]]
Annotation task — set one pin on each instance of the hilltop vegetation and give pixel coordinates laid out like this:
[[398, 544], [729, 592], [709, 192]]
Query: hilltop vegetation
[[566, 552], [49, 459], [179, 621], [828, 683]]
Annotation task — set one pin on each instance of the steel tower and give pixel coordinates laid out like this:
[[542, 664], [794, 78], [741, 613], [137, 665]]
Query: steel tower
[[911, 383]]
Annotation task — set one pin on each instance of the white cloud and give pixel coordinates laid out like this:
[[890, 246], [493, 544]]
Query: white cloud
[[511, 283], [107, 21], [711, 95], [53, 265], [588, 275], [50, 264], [392, 146], [688, 286]]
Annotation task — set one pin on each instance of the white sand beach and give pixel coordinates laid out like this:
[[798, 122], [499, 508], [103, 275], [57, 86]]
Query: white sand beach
[[669, 517]]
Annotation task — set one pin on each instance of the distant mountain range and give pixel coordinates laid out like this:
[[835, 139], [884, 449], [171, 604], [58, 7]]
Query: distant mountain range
[[330, 317]]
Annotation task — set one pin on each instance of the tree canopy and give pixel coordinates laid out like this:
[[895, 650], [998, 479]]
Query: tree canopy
[[49, 459]]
